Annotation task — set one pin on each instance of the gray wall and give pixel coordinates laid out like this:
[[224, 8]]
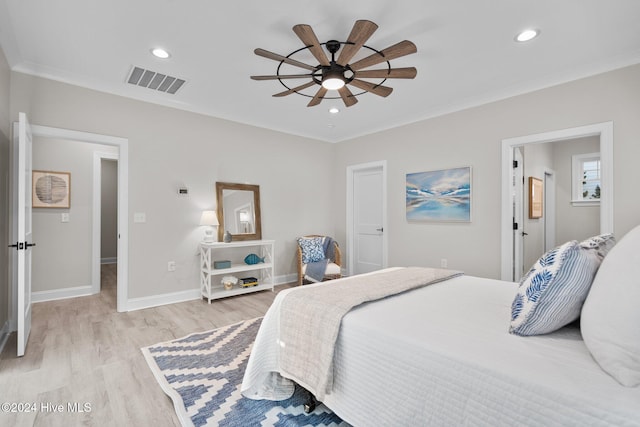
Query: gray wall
[[573, 222], [168, 148], [474, 137], [537, 158], [109, 210], [62, 257], [5, 122]]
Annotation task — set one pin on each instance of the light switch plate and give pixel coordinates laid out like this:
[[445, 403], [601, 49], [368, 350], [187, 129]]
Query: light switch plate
[[64, 217], [139, 217]]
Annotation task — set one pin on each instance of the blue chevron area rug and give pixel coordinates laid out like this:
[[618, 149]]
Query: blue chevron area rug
[[202, 374]]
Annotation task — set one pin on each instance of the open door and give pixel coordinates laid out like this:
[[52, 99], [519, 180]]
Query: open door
[[22, 186], [518, 214]]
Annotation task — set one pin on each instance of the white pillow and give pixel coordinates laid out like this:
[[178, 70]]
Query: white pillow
[[551, 294], [610, 319], [601, 243]]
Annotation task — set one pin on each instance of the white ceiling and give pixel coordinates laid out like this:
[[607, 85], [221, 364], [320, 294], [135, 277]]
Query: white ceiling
[[466, 53]]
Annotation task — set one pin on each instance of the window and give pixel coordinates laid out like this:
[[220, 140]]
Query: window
[[585, 179]]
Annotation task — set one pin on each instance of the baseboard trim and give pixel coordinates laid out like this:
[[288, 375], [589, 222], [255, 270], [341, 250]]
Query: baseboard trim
[[109, 260], [56, 294], [4, 335], [141, 303]]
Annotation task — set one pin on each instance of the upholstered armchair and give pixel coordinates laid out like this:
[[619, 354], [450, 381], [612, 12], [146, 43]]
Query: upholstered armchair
[[319, 259]]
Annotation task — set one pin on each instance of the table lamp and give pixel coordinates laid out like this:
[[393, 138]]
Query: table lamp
[[210, 220]]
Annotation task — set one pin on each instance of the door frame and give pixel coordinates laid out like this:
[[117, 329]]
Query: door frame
[[604, 131], [549, 207], [351, 172], [123, 197], [96, 241]]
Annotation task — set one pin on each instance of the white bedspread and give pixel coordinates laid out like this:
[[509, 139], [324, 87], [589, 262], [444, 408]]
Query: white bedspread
[[442, 356]]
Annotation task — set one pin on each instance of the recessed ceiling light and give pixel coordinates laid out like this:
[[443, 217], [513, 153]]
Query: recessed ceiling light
[[334, 110], [160, 53], [527, 35]]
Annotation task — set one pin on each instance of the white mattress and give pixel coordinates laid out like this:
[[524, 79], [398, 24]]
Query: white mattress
[[442, 356]]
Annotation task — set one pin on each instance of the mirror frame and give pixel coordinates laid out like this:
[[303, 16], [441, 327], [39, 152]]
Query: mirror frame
[[220, 186]]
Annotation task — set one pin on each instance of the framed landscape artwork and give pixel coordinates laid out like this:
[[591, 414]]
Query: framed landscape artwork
[[51, 189], [442, 195]]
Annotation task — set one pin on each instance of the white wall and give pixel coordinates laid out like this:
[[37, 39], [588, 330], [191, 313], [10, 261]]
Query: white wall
[[62, 257], [573, 222], [473, 137], [169, 148], [537, 158], [5, 133], [109, 210]]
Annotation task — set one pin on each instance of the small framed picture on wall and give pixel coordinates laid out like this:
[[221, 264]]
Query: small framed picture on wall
[[535, 197], [51, 189]]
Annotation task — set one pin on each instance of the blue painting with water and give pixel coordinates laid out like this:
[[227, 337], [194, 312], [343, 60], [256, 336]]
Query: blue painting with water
[[443, 195]]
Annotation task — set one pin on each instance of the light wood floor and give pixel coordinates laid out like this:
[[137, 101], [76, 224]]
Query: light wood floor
[[82, 351]]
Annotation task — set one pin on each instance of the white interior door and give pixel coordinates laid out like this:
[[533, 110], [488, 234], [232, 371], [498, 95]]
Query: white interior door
[[369, 240], [24, 237], [518, 214]]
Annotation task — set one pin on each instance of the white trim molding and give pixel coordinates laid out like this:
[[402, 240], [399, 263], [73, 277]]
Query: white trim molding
[[604, 131], [4, 335], [56, 294]]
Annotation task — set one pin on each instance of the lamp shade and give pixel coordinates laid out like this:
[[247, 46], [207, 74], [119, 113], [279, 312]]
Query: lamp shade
[[209, 218]]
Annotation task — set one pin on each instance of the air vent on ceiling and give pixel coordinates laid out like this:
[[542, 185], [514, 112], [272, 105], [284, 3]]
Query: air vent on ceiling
[[155, 81]]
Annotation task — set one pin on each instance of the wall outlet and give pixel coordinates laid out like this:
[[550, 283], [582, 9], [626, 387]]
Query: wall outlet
[[171, 266], [443, 263]]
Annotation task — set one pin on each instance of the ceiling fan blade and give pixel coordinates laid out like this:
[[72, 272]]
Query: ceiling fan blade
[[295, 89], [317, 99], [276, 57], [308, 37], [360, 33], [402, 48], [394, 73], [282, 76], [379, 90], [347, 96]]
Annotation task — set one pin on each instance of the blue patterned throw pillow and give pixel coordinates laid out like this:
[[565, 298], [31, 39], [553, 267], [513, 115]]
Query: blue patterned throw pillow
[[601, 243], [552, 293], [312, 250]]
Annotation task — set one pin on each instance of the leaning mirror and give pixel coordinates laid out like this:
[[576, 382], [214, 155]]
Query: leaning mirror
[[239, 211]]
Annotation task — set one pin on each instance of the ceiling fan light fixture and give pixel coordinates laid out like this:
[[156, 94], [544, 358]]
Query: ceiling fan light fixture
[[333, 83], [334, 110]]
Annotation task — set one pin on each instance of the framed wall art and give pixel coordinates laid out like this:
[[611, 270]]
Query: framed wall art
[[51, 189], [535, 197], [442, 195]]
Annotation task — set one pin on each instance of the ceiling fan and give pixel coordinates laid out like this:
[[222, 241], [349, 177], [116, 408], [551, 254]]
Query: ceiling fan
[[338, 74]]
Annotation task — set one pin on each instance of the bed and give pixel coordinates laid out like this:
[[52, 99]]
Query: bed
[[442, 354]]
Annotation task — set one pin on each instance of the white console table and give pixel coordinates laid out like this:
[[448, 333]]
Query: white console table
[[210, 278]]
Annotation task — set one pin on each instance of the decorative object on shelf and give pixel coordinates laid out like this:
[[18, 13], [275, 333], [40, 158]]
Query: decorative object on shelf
[[210, 220], [221, 264], [442, 195], [51, 189], [248, 281], [338, 74], [253, 259], [228, 282], [227, 236]]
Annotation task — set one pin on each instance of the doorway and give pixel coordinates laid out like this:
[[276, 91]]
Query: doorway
[[605, 133], [366, 217], [122, 203]]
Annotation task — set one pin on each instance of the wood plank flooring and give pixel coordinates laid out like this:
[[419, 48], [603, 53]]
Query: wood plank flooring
[[81, 351]]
